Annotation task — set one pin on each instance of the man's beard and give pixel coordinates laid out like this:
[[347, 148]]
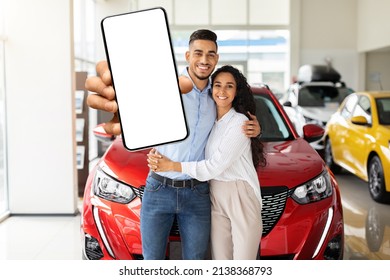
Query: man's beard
[[202, 78]]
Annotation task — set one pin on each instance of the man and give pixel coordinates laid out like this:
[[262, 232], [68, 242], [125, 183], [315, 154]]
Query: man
[[171, 195]]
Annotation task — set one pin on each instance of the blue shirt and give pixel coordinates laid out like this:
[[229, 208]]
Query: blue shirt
[[200, 112]]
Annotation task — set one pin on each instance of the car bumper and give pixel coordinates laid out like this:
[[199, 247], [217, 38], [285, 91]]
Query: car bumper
[[312, 231]]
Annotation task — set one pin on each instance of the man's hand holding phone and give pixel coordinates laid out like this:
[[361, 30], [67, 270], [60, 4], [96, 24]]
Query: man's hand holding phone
[[104, 97]]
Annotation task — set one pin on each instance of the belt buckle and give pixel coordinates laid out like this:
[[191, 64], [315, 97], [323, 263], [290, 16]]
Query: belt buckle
[[176, 184], [183, 183]]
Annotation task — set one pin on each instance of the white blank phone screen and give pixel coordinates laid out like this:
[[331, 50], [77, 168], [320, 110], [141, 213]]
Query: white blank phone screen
[[141, 60]]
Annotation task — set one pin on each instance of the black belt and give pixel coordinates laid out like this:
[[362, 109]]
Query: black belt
[[176, 183]]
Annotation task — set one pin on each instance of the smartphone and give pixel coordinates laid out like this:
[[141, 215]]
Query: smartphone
[[140, 57]]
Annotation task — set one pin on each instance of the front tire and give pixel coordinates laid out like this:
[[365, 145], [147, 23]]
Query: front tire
[[328, 157], [376, 181]]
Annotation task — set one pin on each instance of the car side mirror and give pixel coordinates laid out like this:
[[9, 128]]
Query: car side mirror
[[312, 132], [287, 103], [101, 134], [359, 120]]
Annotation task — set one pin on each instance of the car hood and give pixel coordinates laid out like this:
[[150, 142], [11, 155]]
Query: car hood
[[129, 167], [289, 163], [322, 114]]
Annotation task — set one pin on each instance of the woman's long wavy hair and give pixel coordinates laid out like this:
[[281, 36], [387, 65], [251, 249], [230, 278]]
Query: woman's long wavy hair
[[243, 103]]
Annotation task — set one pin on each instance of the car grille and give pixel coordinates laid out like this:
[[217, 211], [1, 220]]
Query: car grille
[[274, 202], [139, 192]]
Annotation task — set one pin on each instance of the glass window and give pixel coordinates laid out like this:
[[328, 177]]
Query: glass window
[[272, 123], [84, 48], [383, 107], [262, 54], [349, 105], [84, 35], [316, 96], [276, 79], [363, 108], [343, 92]]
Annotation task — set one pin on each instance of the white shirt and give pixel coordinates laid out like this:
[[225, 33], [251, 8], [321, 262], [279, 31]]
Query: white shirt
[[200, 111], [228, 154]]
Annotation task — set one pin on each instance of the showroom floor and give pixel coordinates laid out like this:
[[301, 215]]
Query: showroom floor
[[367, 230]]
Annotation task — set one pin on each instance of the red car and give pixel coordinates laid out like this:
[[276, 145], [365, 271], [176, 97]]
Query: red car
[[302, 212]]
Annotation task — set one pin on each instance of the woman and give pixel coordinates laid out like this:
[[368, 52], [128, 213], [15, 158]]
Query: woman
[[231, 158]]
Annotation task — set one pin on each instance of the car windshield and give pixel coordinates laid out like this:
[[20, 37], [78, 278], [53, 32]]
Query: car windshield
[[383, 105], [273, 125], [318, 96]]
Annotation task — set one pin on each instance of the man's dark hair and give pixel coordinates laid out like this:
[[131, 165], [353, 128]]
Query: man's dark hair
[[203, 34]]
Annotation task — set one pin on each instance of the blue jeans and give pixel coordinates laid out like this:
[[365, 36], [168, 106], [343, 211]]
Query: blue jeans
[[161, 204]]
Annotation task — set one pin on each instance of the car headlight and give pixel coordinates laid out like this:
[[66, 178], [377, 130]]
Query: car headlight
[[314, 190], [106, 187]]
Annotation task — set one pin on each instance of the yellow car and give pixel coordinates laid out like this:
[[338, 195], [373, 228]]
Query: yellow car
[[357, 138]]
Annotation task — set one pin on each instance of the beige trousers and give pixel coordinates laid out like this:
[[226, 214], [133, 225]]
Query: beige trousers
[[236, 224]]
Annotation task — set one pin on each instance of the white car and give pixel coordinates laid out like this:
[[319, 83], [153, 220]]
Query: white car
[[314, 97]]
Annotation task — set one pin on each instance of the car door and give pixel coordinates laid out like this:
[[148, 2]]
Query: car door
[[359, 137], [341, 128]]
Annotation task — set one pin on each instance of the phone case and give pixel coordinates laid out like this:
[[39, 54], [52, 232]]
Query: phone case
[[141, 60]]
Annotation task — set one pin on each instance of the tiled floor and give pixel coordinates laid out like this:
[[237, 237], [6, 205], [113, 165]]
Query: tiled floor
[[366, 224], [40, 238]]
